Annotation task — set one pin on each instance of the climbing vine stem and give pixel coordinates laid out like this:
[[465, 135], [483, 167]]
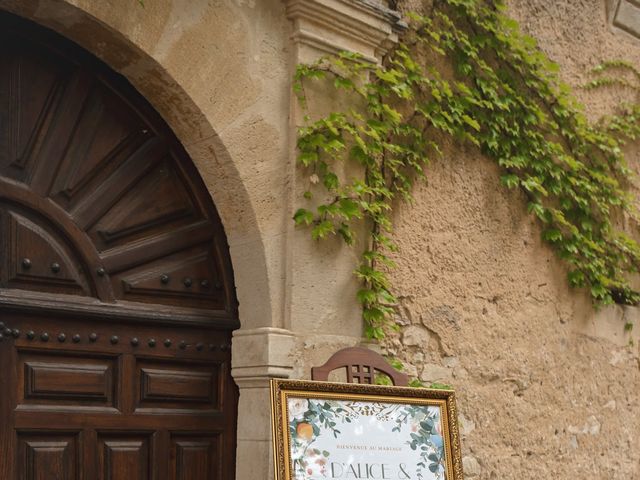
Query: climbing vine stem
[[466, 72]]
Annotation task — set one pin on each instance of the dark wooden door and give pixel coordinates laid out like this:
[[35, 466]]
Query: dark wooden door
[[116, 289]]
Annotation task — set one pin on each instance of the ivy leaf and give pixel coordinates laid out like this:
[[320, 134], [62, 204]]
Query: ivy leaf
[[471, 122], [552, 235], [334, 144], [576, 278], [303, 216], [510, 180], [373, 315], [350, 208], [394, 116], [386, 75], [322, 230], [600, 292], [330, 181], [366, 296], [346, 233], [357, 153], [306, 158], [538, 210], [341, 82]]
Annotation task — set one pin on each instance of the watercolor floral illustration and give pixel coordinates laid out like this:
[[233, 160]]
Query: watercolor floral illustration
[[418, 425]]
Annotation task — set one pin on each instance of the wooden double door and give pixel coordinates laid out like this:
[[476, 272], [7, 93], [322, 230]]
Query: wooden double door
[[98, 401], [116, 288]]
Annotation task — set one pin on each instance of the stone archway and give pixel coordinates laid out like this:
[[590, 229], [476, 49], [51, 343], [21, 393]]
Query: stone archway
[[228, 181], [117, 297], [241, 161]]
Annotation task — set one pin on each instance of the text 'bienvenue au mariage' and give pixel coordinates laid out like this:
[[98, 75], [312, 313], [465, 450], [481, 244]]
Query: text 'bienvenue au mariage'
[[366, 470]]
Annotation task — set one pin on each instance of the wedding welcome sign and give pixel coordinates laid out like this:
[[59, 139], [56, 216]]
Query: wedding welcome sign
[[343, 431]]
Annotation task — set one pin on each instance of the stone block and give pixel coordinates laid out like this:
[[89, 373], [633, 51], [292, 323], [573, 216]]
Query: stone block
[[627, 17], [434, 373], [254, 460], [415, 336], [252, 427], [470, 466]]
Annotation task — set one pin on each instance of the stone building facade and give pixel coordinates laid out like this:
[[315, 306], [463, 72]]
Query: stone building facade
[[547, 385]]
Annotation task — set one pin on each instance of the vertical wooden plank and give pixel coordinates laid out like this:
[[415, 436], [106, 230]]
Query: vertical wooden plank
[[161, 456], [8, 382], [89, 446], [63, 121], [126, 396], [226, 448]]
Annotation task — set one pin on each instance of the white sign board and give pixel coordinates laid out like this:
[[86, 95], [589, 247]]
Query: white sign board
[[372, 433]]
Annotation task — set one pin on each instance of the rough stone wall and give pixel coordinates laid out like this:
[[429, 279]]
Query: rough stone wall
[[547, 386]]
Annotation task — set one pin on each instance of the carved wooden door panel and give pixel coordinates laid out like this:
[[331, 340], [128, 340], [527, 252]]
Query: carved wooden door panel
[[109, 401], [116, 289]]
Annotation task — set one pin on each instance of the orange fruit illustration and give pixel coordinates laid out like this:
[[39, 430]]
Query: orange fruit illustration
[[305, 431]]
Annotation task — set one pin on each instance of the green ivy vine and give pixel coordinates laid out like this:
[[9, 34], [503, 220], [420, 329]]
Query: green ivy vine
[[465, 71]]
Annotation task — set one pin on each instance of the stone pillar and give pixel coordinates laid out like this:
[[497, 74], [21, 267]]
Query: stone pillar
[[319, 299], [258, 355], [322, 306]]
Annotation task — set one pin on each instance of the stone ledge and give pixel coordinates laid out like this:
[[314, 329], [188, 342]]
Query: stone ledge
[[392, 17], [626, 17], [260, 354], [366, 27]]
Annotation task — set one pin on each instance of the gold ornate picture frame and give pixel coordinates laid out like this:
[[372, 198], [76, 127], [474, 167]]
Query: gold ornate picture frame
[[324, 430]]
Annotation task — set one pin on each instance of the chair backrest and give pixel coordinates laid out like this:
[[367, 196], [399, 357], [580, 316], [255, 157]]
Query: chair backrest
[[361, 365]]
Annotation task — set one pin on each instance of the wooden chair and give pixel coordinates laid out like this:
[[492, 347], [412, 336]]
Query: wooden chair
[[361, 365]]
